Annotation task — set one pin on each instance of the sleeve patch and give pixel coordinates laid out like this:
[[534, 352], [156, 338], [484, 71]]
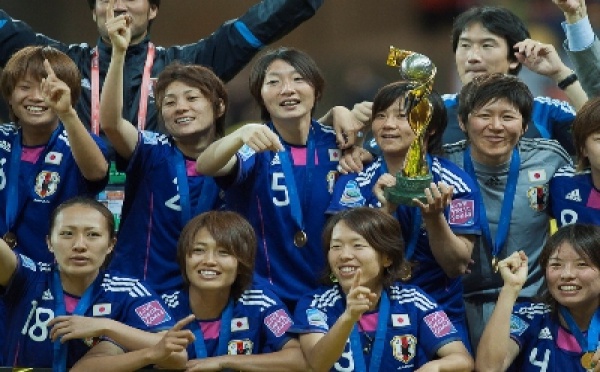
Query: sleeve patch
[[517, 325], [278, 322], [462, 212], [439, 324], [152, 313]]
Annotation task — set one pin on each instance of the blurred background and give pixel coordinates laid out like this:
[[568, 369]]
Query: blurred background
[[349, 39]]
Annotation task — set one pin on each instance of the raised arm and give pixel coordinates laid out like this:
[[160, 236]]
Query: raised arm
[[8, 263], [88, 156], [496, 350], [121, 133], [219, 158]]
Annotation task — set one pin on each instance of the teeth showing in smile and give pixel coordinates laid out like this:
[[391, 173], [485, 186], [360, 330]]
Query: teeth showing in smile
[[568, 288], [290, 103], [35, 108], [183, 120], [347, 269], [208, 273]]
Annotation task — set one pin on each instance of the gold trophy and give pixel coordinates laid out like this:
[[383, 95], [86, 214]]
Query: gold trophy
[[415, 176]]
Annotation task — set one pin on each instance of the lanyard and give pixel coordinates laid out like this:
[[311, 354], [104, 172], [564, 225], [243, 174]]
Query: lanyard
[[144, 89], [296, 205], [59, 361], [378, 343], [208, 193], [499, 241], [589, 344], [224, 333]]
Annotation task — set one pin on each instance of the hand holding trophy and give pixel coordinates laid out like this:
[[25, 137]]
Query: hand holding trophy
[[415, 177]]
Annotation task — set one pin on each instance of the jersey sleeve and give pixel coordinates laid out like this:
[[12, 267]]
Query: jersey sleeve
[[276, 324], [19, 282], [145, 310], [309, 318], [523, 323]]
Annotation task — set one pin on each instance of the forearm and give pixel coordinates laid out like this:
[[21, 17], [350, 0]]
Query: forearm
[[453, 363], [575, 93], [129, 337], [494, 346], [130, 361], [219, 158], [88, 156], [284, 360], [330, 347], [111, 103], [452, 252]]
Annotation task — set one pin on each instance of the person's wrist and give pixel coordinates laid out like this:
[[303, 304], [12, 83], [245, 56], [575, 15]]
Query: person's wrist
[[576, 15], [567, 81]]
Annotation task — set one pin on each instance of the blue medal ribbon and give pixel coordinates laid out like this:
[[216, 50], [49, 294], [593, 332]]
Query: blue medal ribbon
[[378, 343], [499, 241], [59, 361], [208, 193], [591, 343], [296, 204], [224, 334]]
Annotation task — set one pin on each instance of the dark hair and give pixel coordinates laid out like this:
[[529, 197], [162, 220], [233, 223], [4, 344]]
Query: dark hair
[[497, 20], [92, 3], [86, 202], [30, 61], [299, 60], [390, 93], [380, 230], [585, 240], [586, 123], [229, 230], [484, 89], [195, 76]]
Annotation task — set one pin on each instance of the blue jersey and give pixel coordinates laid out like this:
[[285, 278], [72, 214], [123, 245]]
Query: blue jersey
[[154, 211], [31, 303], [259, 191], [356, 190], [258, 325], [574, 197], [543, 343], [551, 118], [416, 329], [52, 179]]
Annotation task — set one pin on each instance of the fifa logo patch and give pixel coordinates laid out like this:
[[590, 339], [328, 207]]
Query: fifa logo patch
[[352, 197], [239, 347], [404, 348], [152, 313], [538, 197], [46, 183]]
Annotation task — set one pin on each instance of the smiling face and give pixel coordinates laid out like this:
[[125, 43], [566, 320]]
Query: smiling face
[[572, 280], [140, 11], [481, 52], [348, 252], [392, 130], [210, 267], [28, 106], [286, 93]]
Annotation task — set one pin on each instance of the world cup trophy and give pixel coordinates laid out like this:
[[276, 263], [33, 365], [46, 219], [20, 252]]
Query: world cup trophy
[[412, 180]]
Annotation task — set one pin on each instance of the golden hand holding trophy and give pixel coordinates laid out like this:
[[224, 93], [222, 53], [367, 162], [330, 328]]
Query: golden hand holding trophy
[[415, 176]]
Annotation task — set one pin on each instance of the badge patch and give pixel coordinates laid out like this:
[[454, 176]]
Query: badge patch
[[46, 183], [400, 320], [404, 347], [537, 175], [278, 322], [462, 212], [91, 341], [439, 324], [334, 154], [246, 152], [538, 197], [27, 263], [239, 347], [317, 318], [332, 176], [101, 309], [517, 325], [239, 324], [152, 313], [352, 197], [53, 157]]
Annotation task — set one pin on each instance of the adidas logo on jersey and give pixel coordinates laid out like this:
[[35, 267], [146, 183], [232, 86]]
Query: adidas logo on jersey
[[573, 195], [545, 334], [47, 295], [275, 160], [492, 181]]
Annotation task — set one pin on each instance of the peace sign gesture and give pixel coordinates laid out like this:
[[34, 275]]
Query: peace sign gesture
[[118, 28]]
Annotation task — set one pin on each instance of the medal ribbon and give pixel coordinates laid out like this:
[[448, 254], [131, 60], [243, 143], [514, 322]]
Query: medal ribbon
[[499, 241], [378, 343], [224, 334], [296, 205], [591, 343], [59, 361], [208, 193], [144, 89]]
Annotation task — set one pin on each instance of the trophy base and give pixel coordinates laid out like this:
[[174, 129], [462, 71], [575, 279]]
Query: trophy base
[[407, 189]]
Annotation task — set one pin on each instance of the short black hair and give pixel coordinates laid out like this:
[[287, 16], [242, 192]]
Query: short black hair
[[497, 20], [92, 3]]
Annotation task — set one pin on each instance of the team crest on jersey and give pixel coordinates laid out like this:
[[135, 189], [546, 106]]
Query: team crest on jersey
[[462, 212], [240, 347], [331, 178], [538, 197], [317, 318], [46, 183], [404, 348], [91, 341], [352, 197], [517, 325]]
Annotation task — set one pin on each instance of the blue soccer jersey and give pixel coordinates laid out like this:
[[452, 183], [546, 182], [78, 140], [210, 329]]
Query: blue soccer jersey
[[356, 190], [260, 192], [543, 343], [416, 328], [32, 186], [156, 208], [258, 325], [574, 197], [31, 303]]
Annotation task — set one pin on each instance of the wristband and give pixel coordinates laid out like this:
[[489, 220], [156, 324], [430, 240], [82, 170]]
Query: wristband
[[566, 82]]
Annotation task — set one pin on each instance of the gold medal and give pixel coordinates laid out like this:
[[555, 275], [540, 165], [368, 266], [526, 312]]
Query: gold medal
[[586, 360], [300, 239], [10, 239], [495, 264]]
